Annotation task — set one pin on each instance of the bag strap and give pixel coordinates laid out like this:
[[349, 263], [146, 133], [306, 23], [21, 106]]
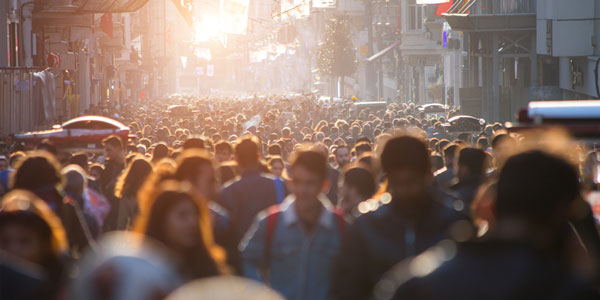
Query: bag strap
[[272, 216]]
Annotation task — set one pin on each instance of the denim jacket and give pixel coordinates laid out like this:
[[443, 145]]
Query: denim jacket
[[299, 263]]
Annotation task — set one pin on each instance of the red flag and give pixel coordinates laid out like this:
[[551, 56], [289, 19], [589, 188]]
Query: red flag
[[106, 24], [443, 8]]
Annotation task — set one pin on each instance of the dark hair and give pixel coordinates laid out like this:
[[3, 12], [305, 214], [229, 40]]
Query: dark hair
[[80, 159], [223, 146], [47, 145], [14, 158], [114, 141], [130, 182], [500, 138], [406, 152], [274, 149], [205, 259], [246, 151], [160, 151], [534, 185], [227, 171], [39, 168], [474, 160], [193, 143], [360, 179], [313, 161], [362, 147], [335, 150], [449, 154]]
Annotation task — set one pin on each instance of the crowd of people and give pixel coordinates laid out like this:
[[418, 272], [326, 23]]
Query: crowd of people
[[316, 199]]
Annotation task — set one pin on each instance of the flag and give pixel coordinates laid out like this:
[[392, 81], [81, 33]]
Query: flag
[[106, 24]]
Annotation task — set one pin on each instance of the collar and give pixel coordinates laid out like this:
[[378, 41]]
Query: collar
[[290, 217]]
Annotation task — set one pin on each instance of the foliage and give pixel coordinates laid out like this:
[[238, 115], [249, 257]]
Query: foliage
[[337, 56]]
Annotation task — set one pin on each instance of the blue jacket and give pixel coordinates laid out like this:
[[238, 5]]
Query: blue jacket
[[299, 265], [378, 240]]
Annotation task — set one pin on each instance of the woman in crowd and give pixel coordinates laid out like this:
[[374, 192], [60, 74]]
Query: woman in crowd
[[179, 219], [127, 188], [32, 240]]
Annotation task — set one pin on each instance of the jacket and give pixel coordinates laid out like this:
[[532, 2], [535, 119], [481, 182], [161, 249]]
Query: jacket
[[378, 240], [298, 263]]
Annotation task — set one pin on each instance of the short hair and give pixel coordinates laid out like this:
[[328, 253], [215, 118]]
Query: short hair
[[80, 159], [274, 149], [406, 152], [533, 185], [500, 138], [313, 161], [193, 143], [449, 152], [246, 151], [190, 163], [39, 168], [75, 179], [114, 141], [274, 159], [47, 145], [223, 146], [473, 159], [336, 149], [14, 158], [362, 147], [160, 151], [362, 180]]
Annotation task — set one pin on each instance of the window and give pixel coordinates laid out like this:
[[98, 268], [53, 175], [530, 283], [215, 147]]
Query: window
[[415, 15]]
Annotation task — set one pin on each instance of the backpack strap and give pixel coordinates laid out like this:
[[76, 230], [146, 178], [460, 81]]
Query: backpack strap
[[271, 219]]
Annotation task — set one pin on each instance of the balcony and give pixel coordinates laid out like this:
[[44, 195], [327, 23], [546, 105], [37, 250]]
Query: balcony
[[492, 15]]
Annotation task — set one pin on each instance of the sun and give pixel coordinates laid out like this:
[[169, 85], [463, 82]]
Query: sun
[[206, 27]]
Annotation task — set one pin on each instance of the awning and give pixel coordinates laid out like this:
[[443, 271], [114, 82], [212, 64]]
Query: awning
[[461, 6], [383, 52], [112, 6]]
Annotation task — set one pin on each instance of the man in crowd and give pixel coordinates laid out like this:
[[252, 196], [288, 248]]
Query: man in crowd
[[113, 166], [294, 244], [250, 194], [524, 255], [342, 156], [417, 218], [445, 176]]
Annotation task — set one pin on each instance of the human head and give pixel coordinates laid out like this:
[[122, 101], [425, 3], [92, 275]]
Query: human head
[[449, 155], [471, 164], [193, 143], [80, 159], [75, 180], [407, 164], [308, 174], [196, 168], [96, 170], [160, 151], [178, 218], [3, 163], [536, 188], [223, 151], [130, 181], [359, 185], [37, 169], [276, 165], [30, 230], [342, 155], [113, 146], [362, 147], [247, 152]]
